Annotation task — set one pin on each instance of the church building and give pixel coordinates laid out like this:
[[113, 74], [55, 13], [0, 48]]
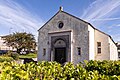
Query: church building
[[66, 38]]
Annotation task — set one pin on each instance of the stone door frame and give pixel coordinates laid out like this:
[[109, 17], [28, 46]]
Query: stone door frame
[[53, 37]]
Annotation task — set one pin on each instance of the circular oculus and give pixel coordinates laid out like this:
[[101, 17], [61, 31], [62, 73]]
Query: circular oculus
[[60, 25]]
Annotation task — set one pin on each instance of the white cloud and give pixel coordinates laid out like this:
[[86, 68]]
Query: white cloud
[[118, 25], [104, 14], [101, 9], [104, 19], [18, 17], [116, 37]]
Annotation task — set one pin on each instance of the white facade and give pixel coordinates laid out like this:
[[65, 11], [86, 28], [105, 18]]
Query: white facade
[[66, 38], [91, 43], [118, 48]]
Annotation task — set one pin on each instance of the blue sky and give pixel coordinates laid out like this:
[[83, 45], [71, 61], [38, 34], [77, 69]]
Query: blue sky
[[30, 15]]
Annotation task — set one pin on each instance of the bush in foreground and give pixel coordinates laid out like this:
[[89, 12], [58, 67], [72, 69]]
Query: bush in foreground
[[92, 70]]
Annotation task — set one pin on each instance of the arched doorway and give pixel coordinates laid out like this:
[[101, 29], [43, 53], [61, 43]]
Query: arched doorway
[[60, 51]]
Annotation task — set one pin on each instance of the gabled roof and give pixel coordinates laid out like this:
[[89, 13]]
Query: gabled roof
[[49, 20], [61, 11]]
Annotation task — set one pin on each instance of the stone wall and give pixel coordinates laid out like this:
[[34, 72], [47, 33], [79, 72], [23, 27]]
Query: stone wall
[[78, 37], [66, 36], [80, 40], [81, 35]]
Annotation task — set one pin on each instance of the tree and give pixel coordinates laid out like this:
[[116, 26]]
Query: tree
[[21, 41]]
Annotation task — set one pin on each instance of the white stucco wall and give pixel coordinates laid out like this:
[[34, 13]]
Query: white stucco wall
[[103, 38], [118, 49], [113, 50], [91, 43]]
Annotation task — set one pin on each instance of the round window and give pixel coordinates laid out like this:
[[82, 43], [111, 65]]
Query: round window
[[60, 25]]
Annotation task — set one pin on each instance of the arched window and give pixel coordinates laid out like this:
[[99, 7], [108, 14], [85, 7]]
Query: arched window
[[60, 43]]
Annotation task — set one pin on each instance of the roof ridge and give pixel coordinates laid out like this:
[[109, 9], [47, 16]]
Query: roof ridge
[[80, 20]]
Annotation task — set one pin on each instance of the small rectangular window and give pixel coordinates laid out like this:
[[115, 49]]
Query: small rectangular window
[[79, 51], [99, 44], [98, 47], [44, 51], [99, 50]]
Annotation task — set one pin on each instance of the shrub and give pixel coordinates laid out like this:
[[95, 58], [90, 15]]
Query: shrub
[[15, 56], [55, 71], [104, 67], [8, 59]]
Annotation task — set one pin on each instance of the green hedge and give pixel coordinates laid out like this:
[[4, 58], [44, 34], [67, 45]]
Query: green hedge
[[8, 59], [92, 70], [14, 55], [104, 67]]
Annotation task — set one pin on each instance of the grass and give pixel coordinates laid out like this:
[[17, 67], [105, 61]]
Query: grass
[[30, 55]]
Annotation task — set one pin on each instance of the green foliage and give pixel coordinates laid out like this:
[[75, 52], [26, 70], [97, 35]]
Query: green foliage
[[15, 56], [92, 70], [30, 55], [20, 41], [8, 59], [104, 67]]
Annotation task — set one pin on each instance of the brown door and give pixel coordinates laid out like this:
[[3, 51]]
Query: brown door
[[60, 55]]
